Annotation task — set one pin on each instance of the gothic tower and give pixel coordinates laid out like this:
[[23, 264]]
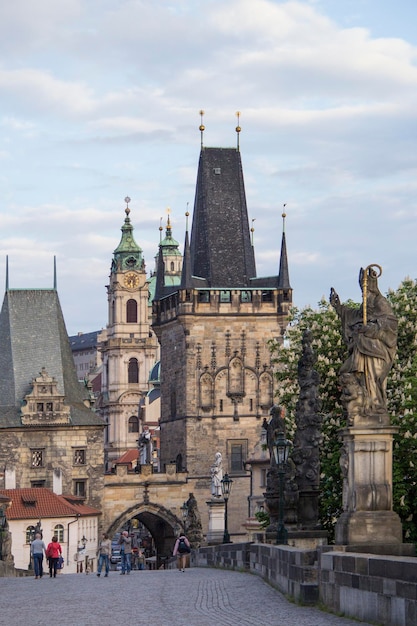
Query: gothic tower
[[128, 346], [216, 374]]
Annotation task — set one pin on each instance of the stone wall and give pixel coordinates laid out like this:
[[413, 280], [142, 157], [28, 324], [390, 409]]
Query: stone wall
[[369, 587]]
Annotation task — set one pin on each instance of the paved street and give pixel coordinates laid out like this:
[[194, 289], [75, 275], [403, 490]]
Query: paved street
[[197, 597]]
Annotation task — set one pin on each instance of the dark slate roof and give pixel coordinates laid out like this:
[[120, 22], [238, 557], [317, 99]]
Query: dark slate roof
[[33, 336], [221, 250], [84, 341]]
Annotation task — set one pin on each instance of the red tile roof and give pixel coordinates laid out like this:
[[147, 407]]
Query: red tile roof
[[128, 457], [41, 503]]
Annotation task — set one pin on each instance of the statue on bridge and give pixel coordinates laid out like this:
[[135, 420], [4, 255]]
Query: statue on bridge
[[216, 473], [370, 333], [145, 447]]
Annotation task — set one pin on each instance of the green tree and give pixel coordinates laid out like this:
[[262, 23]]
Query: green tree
[[402, 396], [402, 405]]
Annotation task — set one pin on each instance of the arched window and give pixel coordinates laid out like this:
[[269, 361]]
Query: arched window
[[172, 266], [133, 371], [30, 534], [59, 532], [131, 311], [133, 424], [113, 312]]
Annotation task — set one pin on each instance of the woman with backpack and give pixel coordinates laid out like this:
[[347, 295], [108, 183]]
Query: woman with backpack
[[181, 549], [53, 553]]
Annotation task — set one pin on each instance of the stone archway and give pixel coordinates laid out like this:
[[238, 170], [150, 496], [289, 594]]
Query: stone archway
[[161, 523]]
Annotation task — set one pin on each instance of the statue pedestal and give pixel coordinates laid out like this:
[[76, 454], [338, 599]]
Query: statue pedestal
[[216, 521], [366, 463]]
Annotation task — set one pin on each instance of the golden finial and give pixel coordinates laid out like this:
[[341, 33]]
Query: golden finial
[[127, 210], [284, 215], [202, 127], [252, 230], [186, 215], [160, 229], [238, 128], [168, 212]]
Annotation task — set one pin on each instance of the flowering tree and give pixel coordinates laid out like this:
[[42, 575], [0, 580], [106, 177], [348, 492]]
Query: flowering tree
[[402, 399], [402, 405]]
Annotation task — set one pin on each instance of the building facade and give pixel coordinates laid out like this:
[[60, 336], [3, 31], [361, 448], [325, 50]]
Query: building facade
[[217, 379], [128, 347], [50, 437]]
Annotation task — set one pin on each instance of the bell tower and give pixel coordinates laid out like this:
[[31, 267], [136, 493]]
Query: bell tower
[[128, 346]]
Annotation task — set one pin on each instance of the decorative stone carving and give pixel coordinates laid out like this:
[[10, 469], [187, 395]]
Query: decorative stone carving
[[308, 437], [44, 405]]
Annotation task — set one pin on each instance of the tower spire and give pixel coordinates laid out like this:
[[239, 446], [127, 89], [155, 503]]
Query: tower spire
[[7, 272], [238, 129], [202, 127], [55, 281], [186, 274], [283, 276]]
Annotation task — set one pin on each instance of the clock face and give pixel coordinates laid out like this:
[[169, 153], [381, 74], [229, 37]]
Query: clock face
[[131, 280]]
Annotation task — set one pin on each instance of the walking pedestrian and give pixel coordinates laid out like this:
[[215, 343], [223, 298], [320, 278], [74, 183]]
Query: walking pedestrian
[[126, 552], [103, 553], [37, 549], [53, 552], [181, 549]]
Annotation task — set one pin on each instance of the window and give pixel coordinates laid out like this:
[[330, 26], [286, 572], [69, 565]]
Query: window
[[267, 296], [80, 488], [37, 483], [30, 534], [245, 296], [237, 453], [225, 296], [37, 458], [50, 406], [59, 532], [204, 296], [131, 311], [133, 371], [172, 266], [133, 424], [39, 407], [221, 406], [79, 456], [236, 458]]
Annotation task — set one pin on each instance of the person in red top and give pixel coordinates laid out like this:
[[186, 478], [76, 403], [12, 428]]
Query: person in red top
[[53, 552]]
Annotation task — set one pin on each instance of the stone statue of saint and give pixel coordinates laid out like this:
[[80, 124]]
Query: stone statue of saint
[[273, 427], [216, 473], [370, 333], [145, 446]]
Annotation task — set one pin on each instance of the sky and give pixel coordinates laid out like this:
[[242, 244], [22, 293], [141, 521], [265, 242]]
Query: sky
[[100, 99]]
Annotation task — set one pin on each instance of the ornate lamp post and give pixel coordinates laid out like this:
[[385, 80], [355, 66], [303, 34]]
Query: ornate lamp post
[[226, 483], [281, 448]]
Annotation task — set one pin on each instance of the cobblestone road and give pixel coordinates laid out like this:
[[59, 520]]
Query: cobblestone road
[[197, 597]]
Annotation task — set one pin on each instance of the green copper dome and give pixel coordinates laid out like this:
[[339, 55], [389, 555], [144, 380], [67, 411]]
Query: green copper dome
[[128, 255]]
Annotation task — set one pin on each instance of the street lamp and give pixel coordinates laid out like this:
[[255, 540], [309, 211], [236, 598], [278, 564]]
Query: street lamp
[[281, 448], [184, 511], [226, 484]]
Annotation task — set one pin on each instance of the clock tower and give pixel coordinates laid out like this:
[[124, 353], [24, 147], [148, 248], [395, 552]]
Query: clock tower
[[129, 347]]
